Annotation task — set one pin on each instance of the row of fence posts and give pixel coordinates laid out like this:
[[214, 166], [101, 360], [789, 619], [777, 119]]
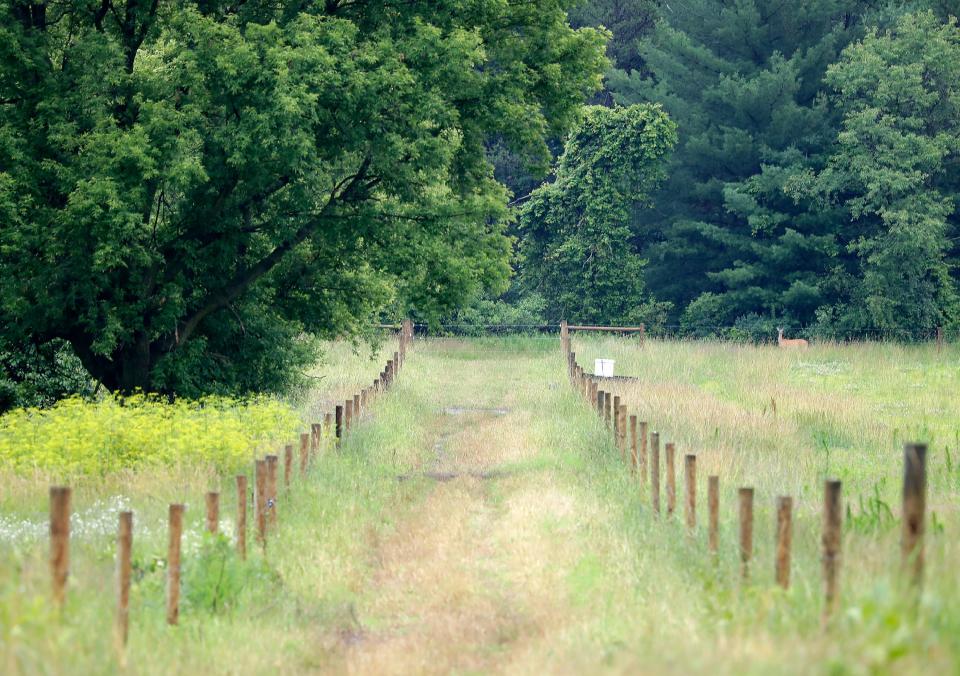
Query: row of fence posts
[[624, 426], [334, 428]]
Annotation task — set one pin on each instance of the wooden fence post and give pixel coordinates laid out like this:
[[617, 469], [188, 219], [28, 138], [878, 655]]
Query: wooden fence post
[[242, 516], [914, 508], [260, 501], [655, 471], [599, 400], [564, 337], [124, 574], [690, 476], [784, 539], [339, 425], [713, 506], [670, 452], [832, 517], [357, 411], [305, 452], [173, 564], [59, 542], [212, 499], [746, 531], [633, 444], [272, 462], [607, 408], [348, 415], [287, 464]]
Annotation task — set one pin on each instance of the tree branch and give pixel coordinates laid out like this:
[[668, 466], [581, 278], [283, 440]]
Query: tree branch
[[345, 190]]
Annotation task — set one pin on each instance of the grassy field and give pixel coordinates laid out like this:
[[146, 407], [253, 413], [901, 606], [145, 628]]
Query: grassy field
[[481, 520]]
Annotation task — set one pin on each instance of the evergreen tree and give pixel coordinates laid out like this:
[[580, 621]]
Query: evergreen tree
[[894, 174], [743, 81]]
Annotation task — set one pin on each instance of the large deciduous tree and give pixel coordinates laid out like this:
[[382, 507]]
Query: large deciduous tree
[[188, 188], [577, 241]]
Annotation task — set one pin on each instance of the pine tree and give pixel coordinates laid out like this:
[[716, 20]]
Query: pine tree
[[744, 82]]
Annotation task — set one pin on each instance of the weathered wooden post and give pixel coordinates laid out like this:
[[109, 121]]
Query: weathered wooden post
[[272, 462], [173, 563], [260, 501], [832, 519], [357, 411], [339, 428], [564, 337], [784, 539], [287, 464], [59, 542], [212, 500], [746, 531], [347, 415], [242, 516], [690, 480], [633, 443], [607, 408], [124, 575], [914, 508], [305, 443]]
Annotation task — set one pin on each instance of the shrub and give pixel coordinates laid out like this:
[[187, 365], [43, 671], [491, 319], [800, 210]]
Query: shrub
[[83, 437]]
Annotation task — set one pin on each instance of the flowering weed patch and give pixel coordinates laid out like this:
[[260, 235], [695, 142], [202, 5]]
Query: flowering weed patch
[[81, 437]]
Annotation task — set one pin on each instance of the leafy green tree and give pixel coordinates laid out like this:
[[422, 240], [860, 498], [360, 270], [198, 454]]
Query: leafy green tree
[[577, 239], [744, 82], [187, 189], [895, 175]]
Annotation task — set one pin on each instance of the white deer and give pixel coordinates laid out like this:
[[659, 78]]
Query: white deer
[[790, 342]]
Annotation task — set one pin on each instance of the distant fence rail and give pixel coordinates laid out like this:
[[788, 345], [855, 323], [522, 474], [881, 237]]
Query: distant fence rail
[[726, 333]]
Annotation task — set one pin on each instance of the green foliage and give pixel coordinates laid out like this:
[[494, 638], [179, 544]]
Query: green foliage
[[527, 312], [214, 577], [39, 375], [894, 175], [743, 82], [186, 188], [76, 437], [578, 249]]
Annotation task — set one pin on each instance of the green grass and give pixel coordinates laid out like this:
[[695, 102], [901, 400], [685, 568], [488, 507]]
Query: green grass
[[555, 565]]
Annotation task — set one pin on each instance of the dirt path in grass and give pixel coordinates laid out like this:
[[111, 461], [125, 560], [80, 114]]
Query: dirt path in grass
[[474, 578]]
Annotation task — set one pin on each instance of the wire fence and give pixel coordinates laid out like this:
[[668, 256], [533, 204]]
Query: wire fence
[[726, 333]]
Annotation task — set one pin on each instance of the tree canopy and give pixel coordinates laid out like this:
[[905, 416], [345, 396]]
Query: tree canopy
[[189, 189]]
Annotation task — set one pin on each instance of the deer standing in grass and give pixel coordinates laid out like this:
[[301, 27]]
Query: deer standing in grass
[[790, 342]]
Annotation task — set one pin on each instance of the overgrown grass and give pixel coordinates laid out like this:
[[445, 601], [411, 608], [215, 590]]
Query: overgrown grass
[[546, 558]]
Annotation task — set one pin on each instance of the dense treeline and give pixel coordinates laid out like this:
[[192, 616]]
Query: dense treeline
[[192, 192], [815, 179]]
